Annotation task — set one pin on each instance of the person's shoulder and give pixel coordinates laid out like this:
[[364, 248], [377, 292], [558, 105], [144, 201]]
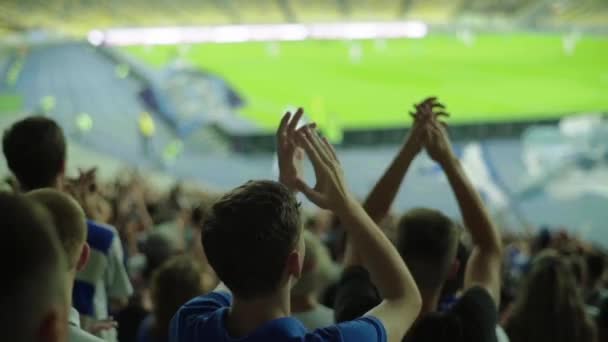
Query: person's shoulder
[[366, 328], [204, 305], [75, 334], [100, 236], [475, 314], [193, 317], [355, 294], [478, 297]]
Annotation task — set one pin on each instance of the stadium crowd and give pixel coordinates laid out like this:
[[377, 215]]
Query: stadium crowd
[[86, 260]]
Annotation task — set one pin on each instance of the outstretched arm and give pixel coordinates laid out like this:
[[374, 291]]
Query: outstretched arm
[[387, 270], [379, 200], [483, 267]]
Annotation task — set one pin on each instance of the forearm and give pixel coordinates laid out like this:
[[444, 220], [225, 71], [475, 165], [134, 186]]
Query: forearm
[[476, 218], [379, 201], [377, 254]]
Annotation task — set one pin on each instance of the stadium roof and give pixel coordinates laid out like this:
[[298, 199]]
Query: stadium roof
[[81, 16]]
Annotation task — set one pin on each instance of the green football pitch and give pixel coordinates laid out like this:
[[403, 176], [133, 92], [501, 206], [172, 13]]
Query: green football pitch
[[372, 84]]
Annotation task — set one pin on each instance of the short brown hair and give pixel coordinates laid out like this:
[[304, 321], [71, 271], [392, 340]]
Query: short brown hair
[[249, 235], [35, 151], [68, 218], [428, 240]]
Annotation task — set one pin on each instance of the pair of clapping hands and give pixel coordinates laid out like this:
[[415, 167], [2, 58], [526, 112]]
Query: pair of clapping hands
[[330, 191]]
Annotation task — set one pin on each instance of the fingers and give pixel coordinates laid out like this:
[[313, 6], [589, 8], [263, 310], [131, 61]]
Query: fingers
[[291, 128], [331, 149], [314, 196], [427, 100], [437, 105], [305, 141], [322, 150], [283, 125]]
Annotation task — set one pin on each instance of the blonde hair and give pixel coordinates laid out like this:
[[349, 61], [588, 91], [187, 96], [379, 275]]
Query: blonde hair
[[68, 218]]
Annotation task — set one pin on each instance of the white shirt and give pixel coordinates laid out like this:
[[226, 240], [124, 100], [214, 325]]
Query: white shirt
[[501, 335], [75, 334], [319, 317], [105, 273]]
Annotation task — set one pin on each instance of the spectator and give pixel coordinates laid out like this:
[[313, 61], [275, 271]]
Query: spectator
[[71, 227], [318, 271], [549, 306], [428, 240], [595, 290], [254, 243], [32, 292], [35, 151], [178, 280], [602, 321]]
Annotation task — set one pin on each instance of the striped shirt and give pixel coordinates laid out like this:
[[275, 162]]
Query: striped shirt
[[104, 276]]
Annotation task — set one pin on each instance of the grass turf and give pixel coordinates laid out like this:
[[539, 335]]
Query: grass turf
[[498, 78]]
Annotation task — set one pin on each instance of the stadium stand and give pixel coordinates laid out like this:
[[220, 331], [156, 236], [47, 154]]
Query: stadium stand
[[78, 17], [518, 206]]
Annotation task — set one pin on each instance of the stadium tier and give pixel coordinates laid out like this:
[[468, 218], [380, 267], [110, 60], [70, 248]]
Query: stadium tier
[[78, 17]]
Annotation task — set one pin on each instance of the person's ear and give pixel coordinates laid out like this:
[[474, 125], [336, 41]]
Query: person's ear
[[454, 268], [294, 263], [84, 257], [54, 325]]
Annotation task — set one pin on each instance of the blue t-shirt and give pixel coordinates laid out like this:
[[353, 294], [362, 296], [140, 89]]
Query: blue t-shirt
[[202, 319]]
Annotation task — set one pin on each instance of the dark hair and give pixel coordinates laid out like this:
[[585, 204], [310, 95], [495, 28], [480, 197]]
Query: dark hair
[[35, 151], [249, 235], [596, 264], [602, 320], [427, 240], [549, 306], [175, 282]]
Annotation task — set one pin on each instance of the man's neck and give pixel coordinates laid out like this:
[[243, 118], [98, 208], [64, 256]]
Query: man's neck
[[247, 315], [57, 184], [430, 301], [71, 277], [303, 303]]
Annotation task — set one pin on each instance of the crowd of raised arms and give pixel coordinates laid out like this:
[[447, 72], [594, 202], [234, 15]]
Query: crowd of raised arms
[[91, 260]]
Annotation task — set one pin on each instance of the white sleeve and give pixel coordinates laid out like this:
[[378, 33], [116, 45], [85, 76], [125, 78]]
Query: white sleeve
[[116, 280]]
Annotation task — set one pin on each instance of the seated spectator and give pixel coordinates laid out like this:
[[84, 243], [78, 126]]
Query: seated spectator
[[318, 271], [178, 280], [549, 306], [32, 290], [71, 227], [254, 242], [428, 242], [35, 151]]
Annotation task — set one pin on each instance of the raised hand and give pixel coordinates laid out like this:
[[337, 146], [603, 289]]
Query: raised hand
[[436, 139], [330, 191], [84, 190], [290, 156], [438, 144], [425, 110]]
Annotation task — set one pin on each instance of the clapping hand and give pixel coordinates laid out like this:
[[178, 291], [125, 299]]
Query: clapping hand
[[435, 136], [290, 156], [330, 191]]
